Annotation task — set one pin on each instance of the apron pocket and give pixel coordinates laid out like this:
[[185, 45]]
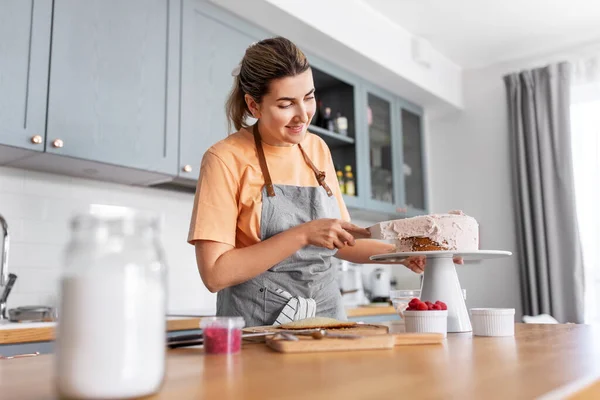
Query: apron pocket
[[274, 304]]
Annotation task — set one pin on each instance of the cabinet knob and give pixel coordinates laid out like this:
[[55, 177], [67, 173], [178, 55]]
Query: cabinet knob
[[187, 168], [37, 139], [58, 143]]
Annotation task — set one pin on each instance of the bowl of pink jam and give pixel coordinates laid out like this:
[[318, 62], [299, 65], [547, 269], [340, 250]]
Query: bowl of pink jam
[[222, 335]]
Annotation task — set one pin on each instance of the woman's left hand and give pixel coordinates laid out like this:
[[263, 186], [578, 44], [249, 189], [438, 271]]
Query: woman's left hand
[[417, 263]]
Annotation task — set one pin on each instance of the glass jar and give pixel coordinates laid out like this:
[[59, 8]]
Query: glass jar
[[111, 331], [222, 335]]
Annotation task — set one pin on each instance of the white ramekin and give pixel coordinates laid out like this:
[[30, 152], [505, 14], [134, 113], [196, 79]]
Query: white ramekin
[[493, 321], [435, 321]]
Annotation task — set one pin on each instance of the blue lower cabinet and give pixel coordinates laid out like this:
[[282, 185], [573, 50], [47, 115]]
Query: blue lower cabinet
[[8, 350]]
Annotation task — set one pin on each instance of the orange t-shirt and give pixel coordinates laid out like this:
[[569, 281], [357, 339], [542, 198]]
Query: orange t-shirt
[[228, 201]]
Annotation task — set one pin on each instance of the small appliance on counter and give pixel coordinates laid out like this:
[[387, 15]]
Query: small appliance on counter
[[351, 284], [379, 285]]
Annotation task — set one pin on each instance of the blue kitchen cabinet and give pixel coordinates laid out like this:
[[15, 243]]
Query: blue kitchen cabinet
[[339, 91], [412, 170], [383, 154], [212, 46], [136, 94], [393, 154], [24, 56], [9, 350], [114, 83]]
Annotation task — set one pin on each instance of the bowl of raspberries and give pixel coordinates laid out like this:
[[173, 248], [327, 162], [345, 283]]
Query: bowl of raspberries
[[426, 316]]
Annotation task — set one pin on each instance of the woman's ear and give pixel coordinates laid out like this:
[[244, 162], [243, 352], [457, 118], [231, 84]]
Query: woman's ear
[[253, 106]]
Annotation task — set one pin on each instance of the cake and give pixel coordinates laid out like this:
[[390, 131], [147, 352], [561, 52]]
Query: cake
[[451, 231]]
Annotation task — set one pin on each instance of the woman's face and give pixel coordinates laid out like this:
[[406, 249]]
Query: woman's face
[[286, 110]]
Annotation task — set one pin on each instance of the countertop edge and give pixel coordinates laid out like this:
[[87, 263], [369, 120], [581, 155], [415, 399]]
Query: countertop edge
[[26, 334], [31, 334]]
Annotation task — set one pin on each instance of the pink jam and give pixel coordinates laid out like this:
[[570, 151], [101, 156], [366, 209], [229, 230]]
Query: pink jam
[[222, 340]]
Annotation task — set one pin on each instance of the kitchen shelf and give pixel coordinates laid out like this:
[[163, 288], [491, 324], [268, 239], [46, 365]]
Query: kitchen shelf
[[331, 138]]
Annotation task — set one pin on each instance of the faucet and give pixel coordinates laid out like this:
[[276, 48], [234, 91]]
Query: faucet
[[6, 281]]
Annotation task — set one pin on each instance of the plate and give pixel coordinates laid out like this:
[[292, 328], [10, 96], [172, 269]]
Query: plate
[[466, 255]]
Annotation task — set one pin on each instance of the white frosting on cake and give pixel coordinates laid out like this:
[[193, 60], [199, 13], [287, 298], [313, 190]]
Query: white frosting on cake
[[452, 231]]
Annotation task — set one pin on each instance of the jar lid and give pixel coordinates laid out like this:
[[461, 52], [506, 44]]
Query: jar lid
[[492, 311], [222, 322]]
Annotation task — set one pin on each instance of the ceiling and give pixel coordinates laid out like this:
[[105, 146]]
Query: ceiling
[[477, 33]]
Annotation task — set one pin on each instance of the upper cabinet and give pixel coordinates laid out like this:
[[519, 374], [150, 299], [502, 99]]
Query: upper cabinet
[[394, 153], [134, 91], [413, 157], [114, 82], [211, 49], [382, 151], [24, 54], [335, 121]]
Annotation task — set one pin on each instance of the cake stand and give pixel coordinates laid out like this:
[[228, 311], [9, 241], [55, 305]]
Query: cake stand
[[440, 281]]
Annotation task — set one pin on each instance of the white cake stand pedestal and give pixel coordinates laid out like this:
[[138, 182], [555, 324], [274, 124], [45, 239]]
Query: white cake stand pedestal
[[440, 280]]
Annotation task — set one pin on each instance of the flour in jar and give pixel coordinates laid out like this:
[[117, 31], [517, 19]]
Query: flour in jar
[[111, 333]]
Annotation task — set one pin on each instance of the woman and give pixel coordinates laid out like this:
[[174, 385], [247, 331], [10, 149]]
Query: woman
[[267, 220]]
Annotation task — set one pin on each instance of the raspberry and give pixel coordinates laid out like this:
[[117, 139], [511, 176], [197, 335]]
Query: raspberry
[[436, 307], [422, 307], [443, 305], [428, 303], [413, 302]]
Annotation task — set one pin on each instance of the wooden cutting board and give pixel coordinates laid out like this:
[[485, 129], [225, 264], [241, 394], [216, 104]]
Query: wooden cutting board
[[306, 344], [358, 329]]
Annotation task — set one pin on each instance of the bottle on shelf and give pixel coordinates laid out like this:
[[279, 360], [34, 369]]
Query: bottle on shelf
[[327, 120], [350, 187], [341, 182], [341, 124]]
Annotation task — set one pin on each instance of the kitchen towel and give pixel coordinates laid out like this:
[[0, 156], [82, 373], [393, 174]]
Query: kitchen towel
[[295, 309]]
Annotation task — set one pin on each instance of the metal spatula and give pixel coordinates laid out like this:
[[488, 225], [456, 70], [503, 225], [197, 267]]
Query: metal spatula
[[375, 231]]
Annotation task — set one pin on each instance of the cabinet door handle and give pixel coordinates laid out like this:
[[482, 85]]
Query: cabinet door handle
[[37, 139], [58, 143], [37, 353], [187, 168]]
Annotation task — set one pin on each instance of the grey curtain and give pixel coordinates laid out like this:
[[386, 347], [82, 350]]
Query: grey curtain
[[549, 252]]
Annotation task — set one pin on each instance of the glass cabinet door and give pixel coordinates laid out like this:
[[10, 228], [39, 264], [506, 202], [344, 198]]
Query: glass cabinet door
[[381, 154], [412, 149]]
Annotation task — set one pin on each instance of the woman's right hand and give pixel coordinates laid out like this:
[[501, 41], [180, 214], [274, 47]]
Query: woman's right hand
[[331, 233]]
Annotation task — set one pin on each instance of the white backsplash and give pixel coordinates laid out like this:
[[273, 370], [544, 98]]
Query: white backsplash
[[38, 207]]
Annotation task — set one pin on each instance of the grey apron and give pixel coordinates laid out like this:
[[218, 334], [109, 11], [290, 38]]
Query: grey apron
[[308, 273]]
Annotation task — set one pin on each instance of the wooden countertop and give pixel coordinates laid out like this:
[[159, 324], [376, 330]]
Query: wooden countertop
[[538, 360], [43, 332], [367, 311]]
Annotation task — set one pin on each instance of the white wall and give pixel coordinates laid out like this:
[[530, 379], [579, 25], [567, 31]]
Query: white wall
[[469, 156], [38, 207], [470, 169]]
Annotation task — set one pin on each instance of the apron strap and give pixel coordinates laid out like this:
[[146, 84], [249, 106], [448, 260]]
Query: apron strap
[[263, 162], [320, 175]]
